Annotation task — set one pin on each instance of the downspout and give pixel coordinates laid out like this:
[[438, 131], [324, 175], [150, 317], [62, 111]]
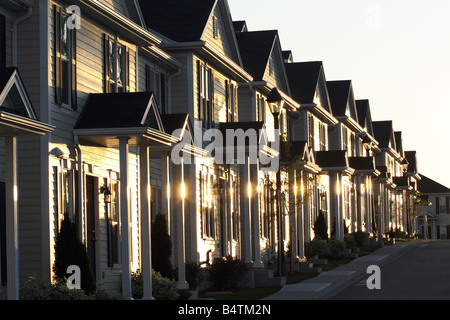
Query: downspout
[[79, 160], [14, 33]]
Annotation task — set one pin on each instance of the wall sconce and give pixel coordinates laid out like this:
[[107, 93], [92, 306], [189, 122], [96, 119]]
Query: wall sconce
[[106, 194]]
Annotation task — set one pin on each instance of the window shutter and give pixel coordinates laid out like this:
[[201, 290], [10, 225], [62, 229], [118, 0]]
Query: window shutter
[[107, 66], [447, 200], [127, 70], [212, 104], [2, 42], [58, 61], [437, 205], [73, 48], [201, 115]]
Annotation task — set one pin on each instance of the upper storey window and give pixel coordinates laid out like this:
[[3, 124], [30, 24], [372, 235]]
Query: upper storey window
[[117, 66]]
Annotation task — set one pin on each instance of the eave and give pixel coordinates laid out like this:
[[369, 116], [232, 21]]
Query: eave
[[117, 22], [351, 123], [321, 113], [209, 52], [11, 124]]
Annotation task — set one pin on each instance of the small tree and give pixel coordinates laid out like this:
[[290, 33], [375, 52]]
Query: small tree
[[161, 248], [69, 250], [320, 227]]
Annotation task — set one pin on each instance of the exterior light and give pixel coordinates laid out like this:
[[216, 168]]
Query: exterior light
[[106, 194]]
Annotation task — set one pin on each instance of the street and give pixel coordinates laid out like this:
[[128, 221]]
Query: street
[[420, 272]]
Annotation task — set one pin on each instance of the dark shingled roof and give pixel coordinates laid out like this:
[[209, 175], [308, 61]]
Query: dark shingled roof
[[339, 91], [412, 161], [172, 122], [332, 159], [382, 131], [362, 163], [303, 78], [117, 110], [255, 48], [181, 21], [427, 185], [240, 26], [362, 107]]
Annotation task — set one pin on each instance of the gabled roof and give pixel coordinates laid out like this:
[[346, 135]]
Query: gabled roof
[[17, 115], [364, 115], [428, 185], [411, 157], [341, 96], [363, 165], [303, 78], [181, 21], [120, 110], [256, 48], [333, 160], [240, 26], [399, 142], [384, 133]]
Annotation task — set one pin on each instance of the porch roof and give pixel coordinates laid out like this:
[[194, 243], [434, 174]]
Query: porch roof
[[364, 165], [334, 161], [17, 115], [108, 116]]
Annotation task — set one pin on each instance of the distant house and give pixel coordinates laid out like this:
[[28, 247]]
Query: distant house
[[434, 217]]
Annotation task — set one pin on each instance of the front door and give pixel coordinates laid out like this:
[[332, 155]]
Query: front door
[[91, 214]]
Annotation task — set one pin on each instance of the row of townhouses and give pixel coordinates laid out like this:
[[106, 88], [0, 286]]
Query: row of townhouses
[[113, 111]]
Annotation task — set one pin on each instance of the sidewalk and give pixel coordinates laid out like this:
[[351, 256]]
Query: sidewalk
[[329, 283]]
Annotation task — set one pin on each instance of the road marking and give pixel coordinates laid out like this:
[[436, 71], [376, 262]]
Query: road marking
[[371, 258], [315, 287]]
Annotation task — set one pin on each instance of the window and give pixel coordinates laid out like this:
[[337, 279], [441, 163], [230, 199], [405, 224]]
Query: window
[[231, 101], [117, 66], [205, 79], [207, 205], [156, 82], [65, 60], [310, 130], [322, 136], [2, 42], [442, 205], [261, 108]]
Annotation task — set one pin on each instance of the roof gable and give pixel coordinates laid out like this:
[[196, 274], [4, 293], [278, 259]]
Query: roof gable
[[427, 185], [384, 133], [13, 96], [303, 80], [120, 110], [342, 99], [411, 157], [180, 21], [364, 115]]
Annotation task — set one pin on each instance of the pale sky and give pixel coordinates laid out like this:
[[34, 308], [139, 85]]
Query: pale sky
[[396, 52]]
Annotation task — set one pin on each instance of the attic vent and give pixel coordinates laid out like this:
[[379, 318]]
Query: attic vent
[[215, 27]]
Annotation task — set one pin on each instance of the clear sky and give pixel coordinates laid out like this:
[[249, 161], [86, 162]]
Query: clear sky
[[396, 52]]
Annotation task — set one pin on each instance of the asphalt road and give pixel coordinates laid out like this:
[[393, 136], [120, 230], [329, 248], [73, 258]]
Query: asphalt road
[[420, 272]]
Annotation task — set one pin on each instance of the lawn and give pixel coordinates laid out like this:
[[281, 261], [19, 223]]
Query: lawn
[[260, 293]]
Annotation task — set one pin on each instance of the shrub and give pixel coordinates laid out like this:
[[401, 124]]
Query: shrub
[[37, 289], [226, 272], [350, 241], [320, 227], [359, 236], [162, 248], [320, 248], [163, 288], [335, 248], [69, 250], [192, 272]]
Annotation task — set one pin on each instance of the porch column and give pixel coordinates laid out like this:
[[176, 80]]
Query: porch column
[[165, 192], [368, 204], [180, 193], [146, 220], [254, 180], [12, 228], [293, 214], [125, 217], [359, 204], [246, 210]]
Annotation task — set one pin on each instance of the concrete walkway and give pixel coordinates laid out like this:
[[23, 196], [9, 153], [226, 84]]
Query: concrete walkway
[[329, 283]]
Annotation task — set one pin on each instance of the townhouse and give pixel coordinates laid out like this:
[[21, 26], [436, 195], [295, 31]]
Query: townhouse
[[110, 114]]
